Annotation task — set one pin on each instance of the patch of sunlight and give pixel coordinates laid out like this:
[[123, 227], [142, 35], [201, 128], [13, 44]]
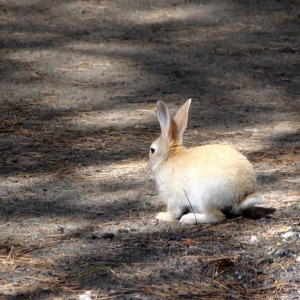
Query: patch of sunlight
[[115, 170], [176, 13], [23, 180], [83, 65], [129, 116]]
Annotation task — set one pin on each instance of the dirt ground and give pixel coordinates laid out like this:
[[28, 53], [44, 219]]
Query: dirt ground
[[79, 83]]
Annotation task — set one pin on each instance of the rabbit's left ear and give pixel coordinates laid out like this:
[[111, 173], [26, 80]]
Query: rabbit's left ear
[[164, 119], [179, 122]]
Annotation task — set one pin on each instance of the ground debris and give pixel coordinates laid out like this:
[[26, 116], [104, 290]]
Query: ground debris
[[79, 83]]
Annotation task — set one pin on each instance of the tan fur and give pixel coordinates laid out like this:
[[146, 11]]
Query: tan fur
[[212, 177]]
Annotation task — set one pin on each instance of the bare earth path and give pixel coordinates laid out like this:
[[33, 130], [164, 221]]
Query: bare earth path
[[78, 85]]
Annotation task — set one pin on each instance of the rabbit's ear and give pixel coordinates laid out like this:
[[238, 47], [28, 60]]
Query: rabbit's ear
[[164, 119], [179, 122]]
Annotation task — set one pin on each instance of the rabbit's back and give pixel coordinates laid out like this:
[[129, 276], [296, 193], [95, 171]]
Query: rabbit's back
[[218, 156], [216, 171]]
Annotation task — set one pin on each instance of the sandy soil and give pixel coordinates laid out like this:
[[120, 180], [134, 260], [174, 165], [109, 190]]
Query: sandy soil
[[79, 83]]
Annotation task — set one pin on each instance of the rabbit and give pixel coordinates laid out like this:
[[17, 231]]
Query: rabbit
[[199, 183]]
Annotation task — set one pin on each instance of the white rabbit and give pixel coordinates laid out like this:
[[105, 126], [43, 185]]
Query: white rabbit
[[199, 183]]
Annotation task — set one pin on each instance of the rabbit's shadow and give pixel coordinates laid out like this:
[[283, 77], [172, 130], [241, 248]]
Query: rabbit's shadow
[[254, 213]]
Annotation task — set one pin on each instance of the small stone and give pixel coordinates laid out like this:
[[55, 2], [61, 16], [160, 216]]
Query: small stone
[[255, 130], [254, 239], [181, 293], [271, 252], [133, 229], [294, 280], [14, 280], [176, 237], [298, 259], [94, 236], [84, 297], [259, 272], [287, 235], [270, 260], [280, 252], [203, 267], [61, 229]]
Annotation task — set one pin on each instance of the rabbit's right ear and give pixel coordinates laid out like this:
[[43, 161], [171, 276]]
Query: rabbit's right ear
[[164, 119], [179, 122]]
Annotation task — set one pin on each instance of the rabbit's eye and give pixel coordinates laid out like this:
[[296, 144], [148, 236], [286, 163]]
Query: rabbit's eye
[[152, 150]]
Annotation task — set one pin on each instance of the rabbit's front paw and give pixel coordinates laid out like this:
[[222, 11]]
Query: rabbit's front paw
[[166, 216]]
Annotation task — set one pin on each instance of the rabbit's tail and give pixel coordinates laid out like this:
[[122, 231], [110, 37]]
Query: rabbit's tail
[[246, 204], [250, 201]]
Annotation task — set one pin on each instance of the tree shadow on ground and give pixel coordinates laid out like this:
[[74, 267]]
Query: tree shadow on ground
[[63, 61]]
